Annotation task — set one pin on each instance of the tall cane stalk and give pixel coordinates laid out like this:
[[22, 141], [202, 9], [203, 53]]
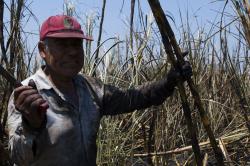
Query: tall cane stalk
[[171, 48]]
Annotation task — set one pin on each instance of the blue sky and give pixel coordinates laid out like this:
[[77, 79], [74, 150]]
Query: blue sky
[[203, 11]]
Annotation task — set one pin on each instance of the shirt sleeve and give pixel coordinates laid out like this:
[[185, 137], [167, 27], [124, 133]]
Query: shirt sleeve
[[21, 139], [116, 101]]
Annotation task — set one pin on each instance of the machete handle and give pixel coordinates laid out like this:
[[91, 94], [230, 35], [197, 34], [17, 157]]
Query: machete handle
[[41, 108]]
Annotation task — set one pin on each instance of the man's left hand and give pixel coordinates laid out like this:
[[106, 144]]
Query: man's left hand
[[183, 73]]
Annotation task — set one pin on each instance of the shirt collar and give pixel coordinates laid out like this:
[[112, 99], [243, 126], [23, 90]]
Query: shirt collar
[[43, 82]]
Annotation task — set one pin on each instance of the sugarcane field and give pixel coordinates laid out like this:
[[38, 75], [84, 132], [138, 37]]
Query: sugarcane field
[[125, 83]]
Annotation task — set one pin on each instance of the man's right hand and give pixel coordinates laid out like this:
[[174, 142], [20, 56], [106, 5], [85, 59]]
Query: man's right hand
[[29, 102]]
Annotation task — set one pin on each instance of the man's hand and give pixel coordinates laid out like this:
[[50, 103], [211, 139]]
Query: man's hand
[[29, 102], [183, 74]]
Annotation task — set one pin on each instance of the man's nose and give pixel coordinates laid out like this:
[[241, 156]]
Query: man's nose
[[72, 51]]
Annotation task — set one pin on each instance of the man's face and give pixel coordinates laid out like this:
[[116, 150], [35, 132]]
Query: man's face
[[64, 56]]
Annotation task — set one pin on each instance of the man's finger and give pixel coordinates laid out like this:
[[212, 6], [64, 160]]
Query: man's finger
[[28, 100], [44, 106], [35, 104], [21, 97], [19, 90]]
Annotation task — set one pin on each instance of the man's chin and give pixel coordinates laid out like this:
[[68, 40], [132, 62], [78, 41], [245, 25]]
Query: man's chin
[[70, 74]]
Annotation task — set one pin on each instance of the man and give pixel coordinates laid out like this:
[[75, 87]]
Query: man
[[54, 117]]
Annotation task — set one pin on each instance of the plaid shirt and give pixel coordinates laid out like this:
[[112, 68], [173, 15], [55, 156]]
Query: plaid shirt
[[69, 135]]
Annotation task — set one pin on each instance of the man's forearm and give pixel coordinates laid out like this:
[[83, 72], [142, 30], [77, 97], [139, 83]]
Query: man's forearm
[[153, 93]]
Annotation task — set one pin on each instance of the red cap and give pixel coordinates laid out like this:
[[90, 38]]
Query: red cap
[[62, 26]]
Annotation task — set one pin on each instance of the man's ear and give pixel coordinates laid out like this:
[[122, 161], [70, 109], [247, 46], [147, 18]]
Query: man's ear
[[42, 49]]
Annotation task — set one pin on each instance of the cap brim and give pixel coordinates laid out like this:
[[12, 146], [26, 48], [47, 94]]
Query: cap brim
[[69, 35]]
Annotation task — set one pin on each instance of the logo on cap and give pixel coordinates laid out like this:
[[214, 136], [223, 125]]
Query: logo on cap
[[68, 23]]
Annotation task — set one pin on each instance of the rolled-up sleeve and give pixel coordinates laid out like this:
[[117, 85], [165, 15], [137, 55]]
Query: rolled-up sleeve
[[116, 101], [21, 140]]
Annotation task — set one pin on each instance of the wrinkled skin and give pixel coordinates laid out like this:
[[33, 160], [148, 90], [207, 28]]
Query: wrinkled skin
[[28, 101], [64, 59]]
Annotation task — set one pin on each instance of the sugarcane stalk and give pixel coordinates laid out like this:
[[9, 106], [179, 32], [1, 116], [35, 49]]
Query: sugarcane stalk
[[185, 105], [170, 42]]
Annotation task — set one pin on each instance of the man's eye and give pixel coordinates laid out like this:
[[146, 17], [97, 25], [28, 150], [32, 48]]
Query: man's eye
[[60, 44]]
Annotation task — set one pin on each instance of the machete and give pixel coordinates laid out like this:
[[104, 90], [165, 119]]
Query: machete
[[13, 81]]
